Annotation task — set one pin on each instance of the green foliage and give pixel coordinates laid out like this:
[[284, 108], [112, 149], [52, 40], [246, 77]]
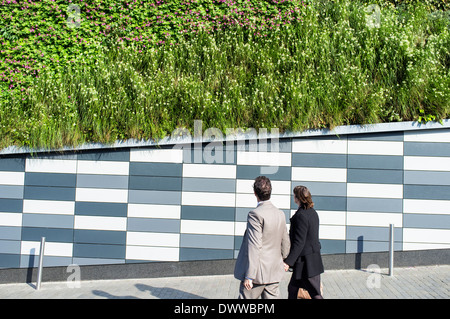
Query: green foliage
[[135, 69]]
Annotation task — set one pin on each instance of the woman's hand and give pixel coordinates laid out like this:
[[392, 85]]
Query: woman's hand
[[286, 266]]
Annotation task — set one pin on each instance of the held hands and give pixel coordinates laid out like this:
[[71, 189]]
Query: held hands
[[286, 266], [248, 284]]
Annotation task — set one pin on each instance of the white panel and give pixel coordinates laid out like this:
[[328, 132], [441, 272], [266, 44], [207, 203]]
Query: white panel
[[48, 207], [208, 199], [51, 248], [12, 178], [153, 239], [264, 158], [152, 253], [374, 219], [278, 187], [314, 174], [207, 227], [157, 155], [319, 146], [100, 222], [239, 228], [103, 167], [332, 232], [209, 171], [429, 136], [281, 201], [101, 195], [331, 217], [420, 246], [375, 147], [374, 190], [427, 163], [419, 235], [154, 211], [246, 200], [425, 206], [50, 165], [11, 219]]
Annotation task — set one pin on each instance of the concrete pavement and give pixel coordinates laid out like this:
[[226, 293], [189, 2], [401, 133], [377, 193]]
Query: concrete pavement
[[407, 283]]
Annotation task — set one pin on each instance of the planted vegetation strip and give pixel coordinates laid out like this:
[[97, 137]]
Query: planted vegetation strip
[[141, 69]]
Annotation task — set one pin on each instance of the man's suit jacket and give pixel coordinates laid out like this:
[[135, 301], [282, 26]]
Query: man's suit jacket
[[304, 255], [265, 244]]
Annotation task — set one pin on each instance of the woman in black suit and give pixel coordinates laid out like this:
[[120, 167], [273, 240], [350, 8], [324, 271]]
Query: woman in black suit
[[304, 256]]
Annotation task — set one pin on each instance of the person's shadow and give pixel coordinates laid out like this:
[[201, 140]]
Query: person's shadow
[[167, 293]]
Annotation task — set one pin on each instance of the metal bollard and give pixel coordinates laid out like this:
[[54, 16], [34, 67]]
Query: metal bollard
[[391, 249], [41, 261]]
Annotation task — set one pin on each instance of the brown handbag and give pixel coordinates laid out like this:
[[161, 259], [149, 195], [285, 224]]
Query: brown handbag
[[304, 294]]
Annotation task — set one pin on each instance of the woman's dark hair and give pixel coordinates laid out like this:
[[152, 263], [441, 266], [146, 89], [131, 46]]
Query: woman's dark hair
[[262, 188], [303, 195]]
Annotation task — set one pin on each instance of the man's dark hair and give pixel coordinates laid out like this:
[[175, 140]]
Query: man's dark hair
[[262, 188]]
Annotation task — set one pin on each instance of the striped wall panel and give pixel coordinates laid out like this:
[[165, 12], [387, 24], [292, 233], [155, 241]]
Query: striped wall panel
[[183, 203]]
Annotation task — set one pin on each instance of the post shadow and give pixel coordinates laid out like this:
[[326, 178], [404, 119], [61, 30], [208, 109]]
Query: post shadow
[[359, 251], [30, 268], [156, 292]]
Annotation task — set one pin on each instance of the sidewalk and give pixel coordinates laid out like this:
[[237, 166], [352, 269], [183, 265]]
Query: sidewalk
[[407, 283]]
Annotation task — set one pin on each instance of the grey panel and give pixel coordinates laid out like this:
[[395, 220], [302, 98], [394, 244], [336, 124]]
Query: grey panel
[[332, 246], [220, 185], [325, 203], [101, 209], [10, 205], [426, 192], [99, 237], [427, 178], [426, 149], [51, 221], [370, 246], [27, 261], [385, 205], [154, 197], [155, 183], [319, 160], [426, 221], [99, 251], [53, 156], [367, 233], [323, 188], [210, 153], [376, 176], [375, 161], [207, 241], [252, 171], [10, 232], [204, 254], [156, 169], [49, 193], [282, 145], [96, 261], [207, 213], [63, 235], [50, 179], [12, 164], [156, 225], [388, 136], [9, 260], [9, 247], [11, 191], [122, 155], [102, 181]]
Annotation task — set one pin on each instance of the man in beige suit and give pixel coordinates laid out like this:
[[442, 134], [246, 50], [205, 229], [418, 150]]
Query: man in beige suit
[[259, 265]]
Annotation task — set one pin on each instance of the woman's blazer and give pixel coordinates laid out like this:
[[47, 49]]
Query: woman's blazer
[[304, 255]]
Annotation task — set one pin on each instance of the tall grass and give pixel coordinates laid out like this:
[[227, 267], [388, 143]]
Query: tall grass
[[329, 69]]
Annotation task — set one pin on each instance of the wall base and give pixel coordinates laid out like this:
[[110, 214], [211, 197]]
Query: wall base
[[219, 267]]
